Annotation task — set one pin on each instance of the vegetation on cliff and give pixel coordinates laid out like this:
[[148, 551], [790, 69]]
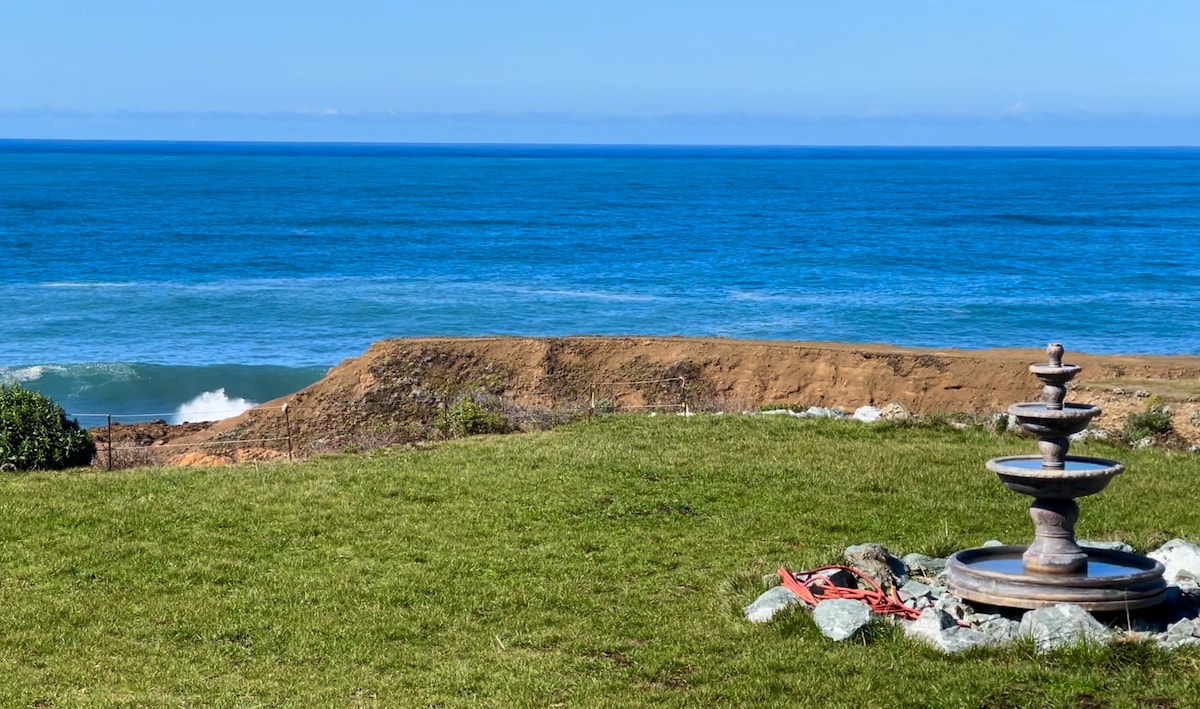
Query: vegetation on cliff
[[35, 433], [422, 389]]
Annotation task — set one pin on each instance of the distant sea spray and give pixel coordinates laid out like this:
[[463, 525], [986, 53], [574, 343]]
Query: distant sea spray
[[212, 406], [142, 392]]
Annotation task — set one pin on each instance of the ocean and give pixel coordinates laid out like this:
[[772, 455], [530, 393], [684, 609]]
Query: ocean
[[191, 280]]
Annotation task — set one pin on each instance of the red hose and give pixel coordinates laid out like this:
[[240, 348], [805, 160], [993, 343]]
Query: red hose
[[813, 588]]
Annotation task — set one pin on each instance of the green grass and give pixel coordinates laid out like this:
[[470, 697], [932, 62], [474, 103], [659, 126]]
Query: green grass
[[1169, 388], [601, 564]]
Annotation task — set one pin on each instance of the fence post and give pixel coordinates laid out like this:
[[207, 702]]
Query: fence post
[[110, 442], [287, 424], [683, 395], [592, 406]]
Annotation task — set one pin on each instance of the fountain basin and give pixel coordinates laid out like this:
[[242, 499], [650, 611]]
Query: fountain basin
[[1055, 372], [1043, 420], [1080, 476], [1112, 581]]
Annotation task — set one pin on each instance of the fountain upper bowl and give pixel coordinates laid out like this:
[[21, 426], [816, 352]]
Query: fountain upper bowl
[[1038, 418], [1064, 372], [1080, 476]]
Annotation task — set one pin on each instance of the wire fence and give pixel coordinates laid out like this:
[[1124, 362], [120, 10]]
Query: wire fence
[[125, 439], [106, 450], [614, 394]]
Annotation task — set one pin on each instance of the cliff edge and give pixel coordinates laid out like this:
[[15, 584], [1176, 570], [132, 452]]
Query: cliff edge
[[395, 390]]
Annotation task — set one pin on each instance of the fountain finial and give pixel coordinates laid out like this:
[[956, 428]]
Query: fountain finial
[[1054, 376], [1055, 352]]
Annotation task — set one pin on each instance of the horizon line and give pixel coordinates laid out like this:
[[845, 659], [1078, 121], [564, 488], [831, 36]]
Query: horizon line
[[4, 141]]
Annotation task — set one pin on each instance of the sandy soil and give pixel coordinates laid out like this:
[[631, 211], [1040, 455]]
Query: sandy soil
[[394, 391]]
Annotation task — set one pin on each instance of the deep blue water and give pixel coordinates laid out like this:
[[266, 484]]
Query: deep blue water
[[276, 261]]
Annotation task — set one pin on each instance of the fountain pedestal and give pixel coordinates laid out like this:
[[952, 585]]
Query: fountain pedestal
[[1054, 550], [1054, 568]]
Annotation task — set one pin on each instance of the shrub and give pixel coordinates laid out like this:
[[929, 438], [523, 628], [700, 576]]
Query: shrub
[[468, 417], [935, 420], [1154, 421], [786, 406], [122, 457], [36, 435], [605, 406]]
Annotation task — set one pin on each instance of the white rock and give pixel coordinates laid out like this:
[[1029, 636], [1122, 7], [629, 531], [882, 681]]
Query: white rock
[[954, 607], [822, 412], [914, 589], [1187, 627], [924, 565], [922, 602], [1063, 625], [840, 618], [877, 562], [996, 626], [778, 412], [1182, 559], [869, 414], [1090, 434], [1174, 642], [764, 608], [1185, 633], [937, 628]]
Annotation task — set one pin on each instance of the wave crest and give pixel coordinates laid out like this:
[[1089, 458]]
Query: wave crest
[[211, 406], [17, 375]]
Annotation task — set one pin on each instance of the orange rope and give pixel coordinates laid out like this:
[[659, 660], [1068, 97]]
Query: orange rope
[[813, 588]]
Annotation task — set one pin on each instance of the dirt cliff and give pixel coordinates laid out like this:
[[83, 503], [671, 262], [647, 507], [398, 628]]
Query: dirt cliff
[[395, 390]]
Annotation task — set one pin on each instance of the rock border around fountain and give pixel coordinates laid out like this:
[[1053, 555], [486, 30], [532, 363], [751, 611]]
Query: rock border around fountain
[[951, 624]]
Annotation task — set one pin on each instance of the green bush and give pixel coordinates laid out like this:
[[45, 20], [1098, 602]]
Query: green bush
[[1154, 421], [605, 406], [468, 417], [36, 435], [789, 407]]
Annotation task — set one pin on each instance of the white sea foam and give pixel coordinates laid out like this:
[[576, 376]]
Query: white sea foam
[[791, 298], [26, 374], [558, 292], [90, 284], [118, 371], [211, 406], [595, 295]]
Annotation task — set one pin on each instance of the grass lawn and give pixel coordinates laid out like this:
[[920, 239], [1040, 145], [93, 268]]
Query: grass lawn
[[604, 563]]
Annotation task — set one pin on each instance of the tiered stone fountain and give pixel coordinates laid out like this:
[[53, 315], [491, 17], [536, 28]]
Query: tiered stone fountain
[[1054, 569]]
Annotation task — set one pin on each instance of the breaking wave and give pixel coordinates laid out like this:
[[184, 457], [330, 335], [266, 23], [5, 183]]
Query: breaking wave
[[212, 406], [129, 392]]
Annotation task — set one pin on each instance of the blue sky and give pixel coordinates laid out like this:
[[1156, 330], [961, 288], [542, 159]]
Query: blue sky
[[927, 72]]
